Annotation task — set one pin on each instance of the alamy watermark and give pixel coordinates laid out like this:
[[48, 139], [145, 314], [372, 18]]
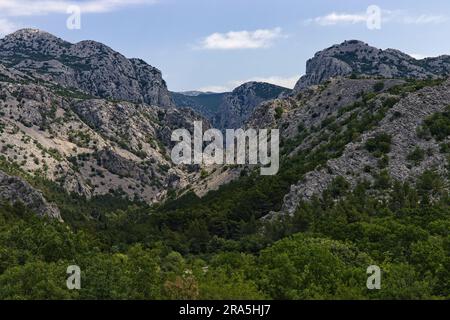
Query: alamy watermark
[[74, 20], [373, 21], [74, 280], [241, 147], [374, 279]]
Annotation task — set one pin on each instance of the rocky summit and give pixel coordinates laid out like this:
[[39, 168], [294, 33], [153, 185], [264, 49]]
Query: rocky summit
[[56, 127], [356, 58], [88, 66]]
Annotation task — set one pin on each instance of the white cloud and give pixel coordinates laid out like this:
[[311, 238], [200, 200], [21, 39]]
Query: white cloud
[[339, 18], [387, 16], [287, 82], [425, 19], [7, 27], [420, 56], [262, 38], [41, 7]]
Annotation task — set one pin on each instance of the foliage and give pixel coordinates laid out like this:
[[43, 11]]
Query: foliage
[[379, 145]]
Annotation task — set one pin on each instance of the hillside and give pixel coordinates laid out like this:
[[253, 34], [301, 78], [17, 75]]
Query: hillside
[[86, 145]]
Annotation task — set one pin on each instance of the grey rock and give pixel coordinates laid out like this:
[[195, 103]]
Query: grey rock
[[88, 66], [358, 58], [16, 190], [401, 123]]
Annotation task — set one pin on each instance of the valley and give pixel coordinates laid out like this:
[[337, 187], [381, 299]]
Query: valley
[[86, 178]]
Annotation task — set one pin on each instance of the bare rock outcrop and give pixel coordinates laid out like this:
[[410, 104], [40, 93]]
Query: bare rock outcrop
[[16, 190], [359, 59], [401, 123], [89, 66]]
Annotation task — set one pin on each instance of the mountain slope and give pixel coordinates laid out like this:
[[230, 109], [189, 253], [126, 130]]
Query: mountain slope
[[15, 190], [206, 104], [89, 146], [231, 109], [363, 180]]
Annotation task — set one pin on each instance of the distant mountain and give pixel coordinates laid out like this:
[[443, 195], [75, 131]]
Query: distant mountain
[[230, 109], [88, 66], [207, 104], [194, 93], [359, 59]]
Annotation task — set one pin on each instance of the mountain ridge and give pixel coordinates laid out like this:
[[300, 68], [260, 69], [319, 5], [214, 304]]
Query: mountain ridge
[[89, 66], [356, 58], [94, 146]]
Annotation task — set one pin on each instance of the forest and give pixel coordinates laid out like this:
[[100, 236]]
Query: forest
[[321, 252]]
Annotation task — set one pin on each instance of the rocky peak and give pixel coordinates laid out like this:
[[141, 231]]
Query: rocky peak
[[358, 58], [259, 89], [239, 105], [88, 66], [28, 34], [32, 42]]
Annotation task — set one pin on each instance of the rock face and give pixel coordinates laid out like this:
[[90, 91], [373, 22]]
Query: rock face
[[358, 58], [90, 146], [314, 105], [238, 106], [230, 110], [88, 66], [15, 190], [323, 111]]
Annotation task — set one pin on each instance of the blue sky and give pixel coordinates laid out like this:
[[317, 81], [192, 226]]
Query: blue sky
[[218, 44]]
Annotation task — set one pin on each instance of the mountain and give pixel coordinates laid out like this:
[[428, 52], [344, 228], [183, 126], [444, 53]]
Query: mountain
[[206, 104], [364, 180], [231, 109], [365, 111], [87, 66], [84, 145], [359, 59], [361, 130]]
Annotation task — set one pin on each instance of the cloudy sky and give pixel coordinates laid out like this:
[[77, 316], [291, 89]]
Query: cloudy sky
[[216, 45]]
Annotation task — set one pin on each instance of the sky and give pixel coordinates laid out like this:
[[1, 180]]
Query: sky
[[216, 45]]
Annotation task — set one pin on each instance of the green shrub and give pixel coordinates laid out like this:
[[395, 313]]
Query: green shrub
[[416, 156], [379, 145], [278, 113]]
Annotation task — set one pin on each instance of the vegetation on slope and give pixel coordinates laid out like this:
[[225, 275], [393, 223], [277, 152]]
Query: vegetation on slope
[[219, 248]]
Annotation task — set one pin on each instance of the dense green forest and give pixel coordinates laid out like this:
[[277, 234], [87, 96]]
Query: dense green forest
[[218, 247], [322, 252]]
